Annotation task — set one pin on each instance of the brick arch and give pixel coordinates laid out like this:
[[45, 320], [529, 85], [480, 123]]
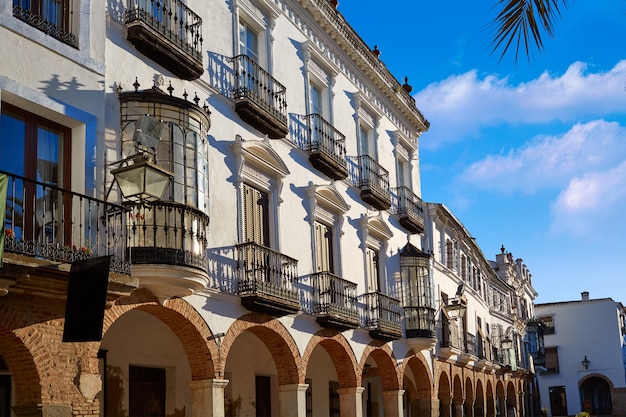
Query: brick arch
[[387, 365], [596, 375], [16, 350], [469, 390], [444, 390], [340, 352], [423, 378], [184, 322], [275, 337]]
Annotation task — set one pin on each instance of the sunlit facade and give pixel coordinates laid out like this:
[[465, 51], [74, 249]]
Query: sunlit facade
[[286, 267]]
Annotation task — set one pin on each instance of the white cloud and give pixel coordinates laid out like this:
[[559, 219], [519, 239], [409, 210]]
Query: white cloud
[[461, 105], [589, 200], [549, 162]]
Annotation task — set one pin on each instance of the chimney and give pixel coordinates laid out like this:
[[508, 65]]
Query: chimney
[[585, 295]]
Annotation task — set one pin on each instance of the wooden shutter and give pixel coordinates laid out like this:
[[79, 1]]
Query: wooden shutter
[[256, 222], [324, 247]]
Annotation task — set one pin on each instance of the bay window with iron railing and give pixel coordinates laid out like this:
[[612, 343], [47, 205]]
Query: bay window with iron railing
[[53, 17], [174, 228], [417, 293]]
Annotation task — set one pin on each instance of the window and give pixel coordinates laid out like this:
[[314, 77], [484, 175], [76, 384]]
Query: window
[[376, 234], [372, 271], [367, 141], [552, 360], [324, 247], [260, 179], [38, 149], [451, 254], [256, 221], [404, 173], [248, 41], [328, 208], [53, 17]]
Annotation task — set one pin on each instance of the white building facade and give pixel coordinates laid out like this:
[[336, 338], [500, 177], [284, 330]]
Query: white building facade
[[289, 268], [583, 365]]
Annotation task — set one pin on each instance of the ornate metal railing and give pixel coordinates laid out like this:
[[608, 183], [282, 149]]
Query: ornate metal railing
[[382, 312], [334, 295], [266, 271], [323, 137], [46, 221], [253, 83], [172, 19], [372, 174], [406, 203], [420, 322], [168, 233], [53, 17]]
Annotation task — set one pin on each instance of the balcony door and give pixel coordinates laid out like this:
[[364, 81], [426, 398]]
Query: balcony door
[[39, 150]]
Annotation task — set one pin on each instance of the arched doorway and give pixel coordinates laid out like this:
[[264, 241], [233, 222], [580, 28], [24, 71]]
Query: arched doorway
[[595, 396], [418, 387]]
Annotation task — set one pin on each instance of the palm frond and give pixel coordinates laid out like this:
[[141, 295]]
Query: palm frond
[[522, 22]]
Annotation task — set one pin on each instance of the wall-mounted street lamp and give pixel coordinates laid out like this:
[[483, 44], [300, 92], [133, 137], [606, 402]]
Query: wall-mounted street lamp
[[585, 362], [141, 180], [457, 308]]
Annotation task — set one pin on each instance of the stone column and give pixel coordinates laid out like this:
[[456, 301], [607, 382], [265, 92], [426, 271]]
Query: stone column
[[393, 404], [351, 401], [292, 400], [207, 397]]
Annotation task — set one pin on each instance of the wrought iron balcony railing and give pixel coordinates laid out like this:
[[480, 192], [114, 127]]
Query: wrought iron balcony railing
[[267, 280], [373, 180], [168, 32], [326, 146], [335, 301], [53, 17], [409, 209], [45, 221], [259, 99], [168, 233], [383, 316]]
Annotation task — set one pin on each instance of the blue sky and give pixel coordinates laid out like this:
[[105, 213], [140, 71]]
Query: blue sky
[[530, 155]]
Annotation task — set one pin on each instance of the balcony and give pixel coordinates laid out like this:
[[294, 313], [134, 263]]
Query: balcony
[[168, 233], [47, 17], [326, 147], [260, 100], [335, 302], [169, 33], [46, 227], [383, 316], [267, 280], [373, 180], [469, 351], [408, 207]]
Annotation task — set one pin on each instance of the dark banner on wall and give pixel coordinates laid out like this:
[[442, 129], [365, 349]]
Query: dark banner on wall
[[86, 299]]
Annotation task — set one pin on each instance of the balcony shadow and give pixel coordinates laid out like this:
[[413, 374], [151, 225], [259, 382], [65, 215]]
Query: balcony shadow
[[222, 269]]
